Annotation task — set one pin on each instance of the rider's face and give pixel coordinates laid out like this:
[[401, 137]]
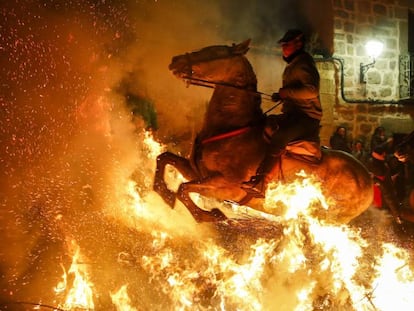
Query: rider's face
[[288, 48]]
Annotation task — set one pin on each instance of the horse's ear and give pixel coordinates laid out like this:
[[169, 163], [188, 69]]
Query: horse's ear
[[242, 47]]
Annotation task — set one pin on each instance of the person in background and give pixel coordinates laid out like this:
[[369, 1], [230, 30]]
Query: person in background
[[301, 108], [359, 152], [339, 140], [384, 192], [379, 139]]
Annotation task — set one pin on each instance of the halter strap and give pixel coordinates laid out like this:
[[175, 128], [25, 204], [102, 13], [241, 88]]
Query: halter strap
[[226, 135]]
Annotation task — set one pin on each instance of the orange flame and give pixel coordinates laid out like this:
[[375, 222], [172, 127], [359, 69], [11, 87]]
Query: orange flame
[[394, 279], [310, 263], [121, 300], [80, 294]]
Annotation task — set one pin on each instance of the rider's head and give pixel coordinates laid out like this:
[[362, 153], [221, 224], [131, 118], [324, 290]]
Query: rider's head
[[292, 41]]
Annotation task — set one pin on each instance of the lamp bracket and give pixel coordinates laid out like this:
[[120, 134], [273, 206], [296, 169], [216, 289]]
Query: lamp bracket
[[363, 69]]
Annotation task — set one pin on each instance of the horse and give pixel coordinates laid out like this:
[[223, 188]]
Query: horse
[[231, 144]]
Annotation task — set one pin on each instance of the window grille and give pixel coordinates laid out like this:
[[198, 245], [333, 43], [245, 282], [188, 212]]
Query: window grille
[[406, 81]]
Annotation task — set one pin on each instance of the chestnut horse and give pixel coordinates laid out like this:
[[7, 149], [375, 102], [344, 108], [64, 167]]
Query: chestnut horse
[[231, 144]]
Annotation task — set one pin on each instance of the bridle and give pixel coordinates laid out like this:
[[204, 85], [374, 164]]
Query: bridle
[[189, 79]]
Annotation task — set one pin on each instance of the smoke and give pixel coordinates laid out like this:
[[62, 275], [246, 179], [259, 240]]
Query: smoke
[[67, 136], [69, 141]]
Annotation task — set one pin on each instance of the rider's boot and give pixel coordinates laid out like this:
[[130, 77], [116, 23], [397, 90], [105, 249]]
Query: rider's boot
[[257, 184]]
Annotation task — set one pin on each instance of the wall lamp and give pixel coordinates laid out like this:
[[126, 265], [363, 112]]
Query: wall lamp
[[373, 49]]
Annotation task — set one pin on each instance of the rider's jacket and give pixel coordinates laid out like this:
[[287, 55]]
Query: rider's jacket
[[301, 83]]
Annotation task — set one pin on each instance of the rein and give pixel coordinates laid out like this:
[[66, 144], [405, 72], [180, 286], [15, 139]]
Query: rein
[[211, 84], [226, 135]]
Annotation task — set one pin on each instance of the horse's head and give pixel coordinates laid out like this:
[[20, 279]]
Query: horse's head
[[404, 151], [216, 64]]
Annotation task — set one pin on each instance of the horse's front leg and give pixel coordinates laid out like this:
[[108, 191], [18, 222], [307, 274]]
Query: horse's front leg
[[181, 164], [203, 187]]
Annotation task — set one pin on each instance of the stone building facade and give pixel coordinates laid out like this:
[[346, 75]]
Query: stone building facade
[[379, 100], [337, 42]]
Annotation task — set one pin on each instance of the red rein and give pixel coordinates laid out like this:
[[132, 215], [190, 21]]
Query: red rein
[[226, 135]]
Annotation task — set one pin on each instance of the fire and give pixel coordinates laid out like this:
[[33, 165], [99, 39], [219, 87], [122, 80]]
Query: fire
[[393, 279], [153, 147], [216, 276], [298, 198], [121, 299], [311, 264], [243, 280], [80, 295]]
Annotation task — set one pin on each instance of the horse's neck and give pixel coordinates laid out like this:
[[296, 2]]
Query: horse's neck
[[231, 108]]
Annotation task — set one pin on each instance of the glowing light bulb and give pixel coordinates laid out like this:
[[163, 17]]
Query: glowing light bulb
[[374, 48]]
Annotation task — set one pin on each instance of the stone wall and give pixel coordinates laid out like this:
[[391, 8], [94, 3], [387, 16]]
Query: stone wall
[[364, 106], [359, 107]]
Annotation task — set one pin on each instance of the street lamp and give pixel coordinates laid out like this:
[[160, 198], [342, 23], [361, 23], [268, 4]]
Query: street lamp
[[373, 49]]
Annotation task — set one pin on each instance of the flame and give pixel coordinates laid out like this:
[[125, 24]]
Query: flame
[[298, 198], [394, 279], [226, 280], [121, 299], [80, 295], [153, 147], [311, 265], [242, 282]]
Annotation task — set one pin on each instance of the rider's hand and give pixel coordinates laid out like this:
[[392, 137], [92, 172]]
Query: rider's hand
[[275, 97]]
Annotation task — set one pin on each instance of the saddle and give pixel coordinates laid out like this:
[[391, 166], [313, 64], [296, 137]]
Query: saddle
[[304, 150]]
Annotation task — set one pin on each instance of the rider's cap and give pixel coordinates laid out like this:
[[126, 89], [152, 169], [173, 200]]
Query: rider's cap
[[292, 34]]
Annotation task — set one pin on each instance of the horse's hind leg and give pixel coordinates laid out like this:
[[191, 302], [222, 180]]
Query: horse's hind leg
[[181, 164]]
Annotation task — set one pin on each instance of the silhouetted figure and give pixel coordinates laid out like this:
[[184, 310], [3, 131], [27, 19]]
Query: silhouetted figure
[[359, 152], [380, 140], [384, 192], [339, 140]]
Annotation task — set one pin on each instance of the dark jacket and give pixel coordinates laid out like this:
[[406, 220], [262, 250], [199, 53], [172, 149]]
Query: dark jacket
[[301, 83], [339, 142]]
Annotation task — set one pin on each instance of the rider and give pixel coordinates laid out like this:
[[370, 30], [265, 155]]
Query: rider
[[301, 109]]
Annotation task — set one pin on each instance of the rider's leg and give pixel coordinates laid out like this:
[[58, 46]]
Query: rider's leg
[[291, 128], [258, 183]]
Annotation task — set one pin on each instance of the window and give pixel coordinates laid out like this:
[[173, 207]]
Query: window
[[410, 32], [406, 62]]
